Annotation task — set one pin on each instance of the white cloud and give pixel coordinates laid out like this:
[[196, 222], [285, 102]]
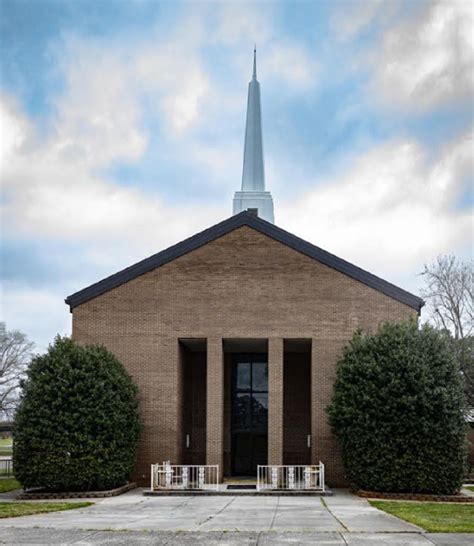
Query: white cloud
[[100, 114], [55, 189], [391, 211], [239, 23], [39, 313], [240, 26], [427, 60], [219, 161], [54, 196], [291, 63], [173, 74], [353, 17], [13, 128], [97, 117]]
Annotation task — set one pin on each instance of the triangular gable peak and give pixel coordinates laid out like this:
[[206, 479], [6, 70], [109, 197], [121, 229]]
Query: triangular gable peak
[[243, 219]]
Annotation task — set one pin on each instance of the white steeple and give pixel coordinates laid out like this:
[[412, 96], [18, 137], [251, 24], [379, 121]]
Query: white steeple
[[253, 195]]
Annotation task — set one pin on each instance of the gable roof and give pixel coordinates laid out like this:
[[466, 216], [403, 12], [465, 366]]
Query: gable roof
[[244, 218]]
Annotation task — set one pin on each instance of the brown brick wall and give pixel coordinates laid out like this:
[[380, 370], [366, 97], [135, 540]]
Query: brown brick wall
[[324, 355], [215, 403], [243, 285], [275, 401]]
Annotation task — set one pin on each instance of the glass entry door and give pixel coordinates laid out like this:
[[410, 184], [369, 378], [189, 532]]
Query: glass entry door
[[249, 413]]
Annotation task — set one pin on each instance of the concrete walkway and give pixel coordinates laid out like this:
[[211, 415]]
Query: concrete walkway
[[132, 511], [134, 519]]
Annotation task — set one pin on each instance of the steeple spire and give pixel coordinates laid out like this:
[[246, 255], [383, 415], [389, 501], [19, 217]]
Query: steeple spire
[[253, 194], [254, 75], [253, 175]]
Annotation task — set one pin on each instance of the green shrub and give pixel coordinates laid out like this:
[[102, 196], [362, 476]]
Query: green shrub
[[397, 411], [77, 425]]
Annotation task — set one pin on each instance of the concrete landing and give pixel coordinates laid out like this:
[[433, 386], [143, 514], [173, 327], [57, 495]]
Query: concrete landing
[[247, 487], [224, 492], [132, 511]]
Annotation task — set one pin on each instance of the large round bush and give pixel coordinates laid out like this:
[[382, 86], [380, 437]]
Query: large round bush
[[397, 410], [77, 425]]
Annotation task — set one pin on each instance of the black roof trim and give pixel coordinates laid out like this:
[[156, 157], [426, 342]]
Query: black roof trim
[[243, 219]]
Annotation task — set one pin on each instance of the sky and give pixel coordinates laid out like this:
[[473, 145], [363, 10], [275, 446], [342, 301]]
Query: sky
[[122, 126]]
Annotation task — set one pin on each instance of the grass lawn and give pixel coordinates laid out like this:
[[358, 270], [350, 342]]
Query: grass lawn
[[6, 446], [470, 487], [9, 484], [14, 509], [435, 517]]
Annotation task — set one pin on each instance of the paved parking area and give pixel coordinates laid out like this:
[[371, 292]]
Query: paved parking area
[[134, 519]]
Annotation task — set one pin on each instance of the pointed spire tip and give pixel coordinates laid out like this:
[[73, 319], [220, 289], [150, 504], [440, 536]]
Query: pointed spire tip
[[254, 75]]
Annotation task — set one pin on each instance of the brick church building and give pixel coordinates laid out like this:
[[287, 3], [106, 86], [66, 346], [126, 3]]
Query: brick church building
[[233, 335]]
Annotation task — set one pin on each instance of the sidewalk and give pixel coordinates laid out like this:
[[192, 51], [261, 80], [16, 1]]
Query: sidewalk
[[135, 519], [133, 511]]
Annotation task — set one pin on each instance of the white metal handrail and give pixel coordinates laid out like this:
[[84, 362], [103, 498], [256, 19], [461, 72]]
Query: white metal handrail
[[291, 477], [168, 476]]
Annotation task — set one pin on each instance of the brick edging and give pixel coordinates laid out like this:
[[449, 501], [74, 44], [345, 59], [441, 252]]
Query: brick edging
[[37, 495], [414, 496]]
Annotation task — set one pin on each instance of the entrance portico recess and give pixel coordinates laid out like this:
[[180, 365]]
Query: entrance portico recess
[[246, 402]]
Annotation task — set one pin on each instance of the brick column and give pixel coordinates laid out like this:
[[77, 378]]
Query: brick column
[[275, 401], [324, 447], [215, 404]]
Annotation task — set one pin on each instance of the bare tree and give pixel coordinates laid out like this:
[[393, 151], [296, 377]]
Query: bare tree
[[449, 295], [15, 352]]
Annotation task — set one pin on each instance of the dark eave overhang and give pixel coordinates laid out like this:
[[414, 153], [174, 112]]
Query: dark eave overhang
[[243, 219]]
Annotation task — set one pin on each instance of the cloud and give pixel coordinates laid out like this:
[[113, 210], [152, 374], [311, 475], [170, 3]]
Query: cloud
[[100, 114], [13, 128], [392, 210], [173, 74], [292, 64], [111, 94], [97, 118], [352, 18], [51, 195], [243, 24], [288, 61], [218, 160], [38, 312], [427, 60]]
